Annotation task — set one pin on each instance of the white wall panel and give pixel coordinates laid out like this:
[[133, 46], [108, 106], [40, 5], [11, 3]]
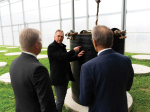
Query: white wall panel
[[50, 13], [17, 18], [66, 27], [30, 5], [32, 16], [7, 33], [5, 20], [48, 31], [80, 8], [66, 9]]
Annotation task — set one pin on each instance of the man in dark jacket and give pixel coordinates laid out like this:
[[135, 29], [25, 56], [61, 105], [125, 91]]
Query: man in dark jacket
[[29, 78], [60, 68], [105, 79]]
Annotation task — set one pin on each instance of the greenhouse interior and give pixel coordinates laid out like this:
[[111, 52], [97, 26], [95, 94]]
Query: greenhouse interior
[[47, 16]]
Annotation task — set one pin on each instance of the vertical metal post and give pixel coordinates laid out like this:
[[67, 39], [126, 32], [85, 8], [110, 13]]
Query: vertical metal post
[[23, 13], [11, 24], [123, 15], [60, 19], [39, 7], [87, 14], [1, 27], [73, 21]]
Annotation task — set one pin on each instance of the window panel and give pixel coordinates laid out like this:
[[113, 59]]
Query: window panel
[[1, 40], [105, 6], [138, 22], [144, 4], [66, 27], [111, 21], [5, 11], [50, 13], [137, 43], [6, 20], [66, 10], [35, 26], [47, 3], [12, 1], [16, 7], [80, 8], [7, 34], [3, 4], [48, 31], [32, 16], [80, 24], [30, 5], [17, 18], [16, 35]]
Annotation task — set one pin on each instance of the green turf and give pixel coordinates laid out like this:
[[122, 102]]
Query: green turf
[[140, 90]]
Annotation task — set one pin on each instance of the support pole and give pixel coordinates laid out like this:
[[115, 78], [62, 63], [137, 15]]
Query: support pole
[[73, 21], [60, 19], [11, 24], [23, 14], [123, 15], [87, 14], [39, 7], [1, 27]]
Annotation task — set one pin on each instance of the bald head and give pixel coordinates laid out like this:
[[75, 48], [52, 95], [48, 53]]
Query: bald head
[[103, 36]]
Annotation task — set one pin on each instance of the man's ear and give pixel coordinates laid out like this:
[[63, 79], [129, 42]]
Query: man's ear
[[36, 45], [95, 45]]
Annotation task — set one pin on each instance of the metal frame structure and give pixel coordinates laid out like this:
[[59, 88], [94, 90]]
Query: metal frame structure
[[123, 19]]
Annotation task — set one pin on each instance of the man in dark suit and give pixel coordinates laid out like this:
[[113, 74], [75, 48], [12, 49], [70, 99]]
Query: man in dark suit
[[29, 78], [60, 70], [105, 79]]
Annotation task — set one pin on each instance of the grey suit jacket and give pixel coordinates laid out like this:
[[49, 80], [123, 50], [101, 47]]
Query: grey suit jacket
[[31, 84]]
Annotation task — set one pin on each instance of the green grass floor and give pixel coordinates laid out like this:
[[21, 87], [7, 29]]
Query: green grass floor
[[140, 90]]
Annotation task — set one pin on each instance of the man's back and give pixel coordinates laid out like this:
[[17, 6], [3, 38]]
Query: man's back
[[104, 81], [31, 85]]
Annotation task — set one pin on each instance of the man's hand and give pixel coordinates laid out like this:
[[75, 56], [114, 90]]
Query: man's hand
[[76, 49], [81, 53]]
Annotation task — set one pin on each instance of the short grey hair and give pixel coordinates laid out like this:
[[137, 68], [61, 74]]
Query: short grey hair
[[28, 37], [59, 31], [103, 36]]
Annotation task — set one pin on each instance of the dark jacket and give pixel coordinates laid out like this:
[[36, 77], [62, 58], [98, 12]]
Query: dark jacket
[[59, 60], [104, 81], [31, 84]]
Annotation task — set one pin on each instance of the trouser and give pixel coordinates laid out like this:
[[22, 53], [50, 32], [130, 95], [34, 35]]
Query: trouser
[[60, 92]]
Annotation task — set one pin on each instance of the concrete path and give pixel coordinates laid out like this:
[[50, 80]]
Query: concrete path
[[3, 64], [43, 49], [40, 56], [1, 51], [11, 47], [13, 54], [141, 69], [5, 78], [75, 107], [141, 57]]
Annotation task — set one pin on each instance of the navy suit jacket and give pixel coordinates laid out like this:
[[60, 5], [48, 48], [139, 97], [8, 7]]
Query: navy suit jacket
[[104, 81]]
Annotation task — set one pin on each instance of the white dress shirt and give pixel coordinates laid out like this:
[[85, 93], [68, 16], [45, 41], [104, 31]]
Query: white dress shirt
[[30, 53], [102, 51]]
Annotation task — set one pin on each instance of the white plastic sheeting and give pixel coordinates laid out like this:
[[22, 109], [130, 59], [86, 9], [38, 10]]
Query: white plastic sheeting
[[137, 21]]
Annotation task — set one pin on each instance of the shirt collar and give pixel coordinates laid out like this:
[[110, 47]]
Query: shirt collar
[[102, 51], [30, 53]]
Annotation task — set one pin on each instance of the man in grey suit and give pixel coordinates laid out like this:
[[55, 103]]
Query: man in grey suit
[[29, 78]]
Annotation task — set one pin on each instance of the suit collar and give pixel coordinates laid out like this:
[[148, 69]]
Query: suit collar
[[106, 52], [28, 56]]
